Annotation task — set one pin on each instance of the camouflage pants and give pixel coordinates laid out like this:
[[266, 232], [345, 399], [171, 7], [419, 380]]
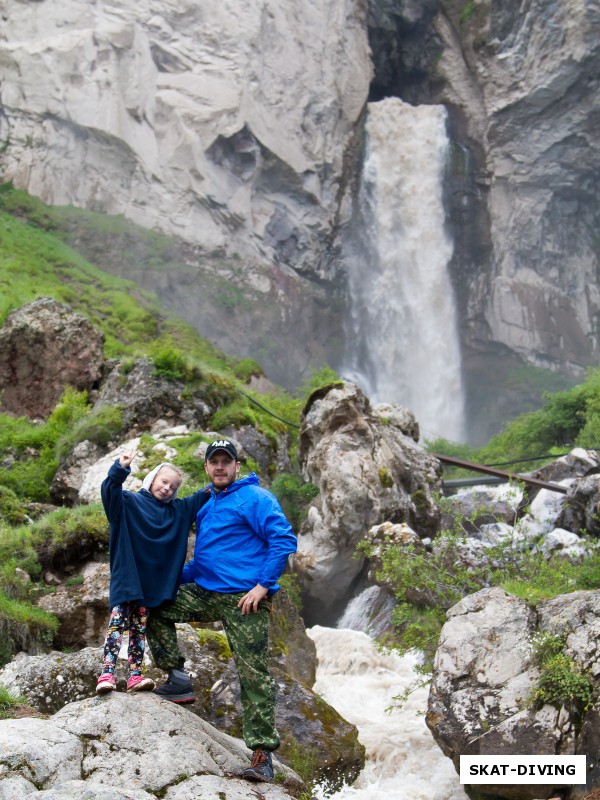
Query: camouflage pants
[[248, 637]]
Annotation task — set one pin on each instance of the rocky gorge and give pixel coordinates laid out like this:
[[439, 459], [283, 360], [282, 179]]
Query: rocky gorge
[[375, 483], [239, 132]]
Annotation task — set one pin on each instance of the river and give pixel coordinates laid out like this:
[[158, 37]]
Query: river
[[403, 760]]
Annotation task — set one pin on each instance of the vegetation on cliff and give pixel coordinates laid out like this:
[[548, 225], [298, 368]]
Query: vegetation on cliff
[[36, 260]]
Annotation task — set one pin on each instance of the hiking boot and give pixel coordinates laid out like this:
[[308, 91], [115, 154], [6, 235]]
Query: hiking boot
[[261, 768], [178, 689], [106, 683], [138, 683]]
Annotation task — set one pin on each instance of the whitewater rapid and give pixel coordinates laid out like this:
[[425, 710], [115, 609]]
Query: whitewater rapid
[[403, 760]]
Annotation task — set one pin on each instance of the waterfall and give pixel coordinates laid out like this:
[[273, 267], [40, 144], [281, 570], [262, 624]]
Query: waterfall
[[402, 338], [403, 760], [370, 612]]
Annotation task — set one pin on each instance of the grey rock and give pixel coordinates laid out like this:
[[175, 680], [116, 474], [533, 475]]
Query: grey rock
[[368, 472], [45, 347], [143, 395], [52, 680], [124, 746], [81, 608], [69, 477], [39, 751], [579, 513], [485, 671]]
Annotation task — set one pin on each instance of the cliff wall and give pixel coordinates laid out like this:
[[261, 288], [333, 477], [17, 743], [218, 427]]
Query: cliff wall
[[237, 128]]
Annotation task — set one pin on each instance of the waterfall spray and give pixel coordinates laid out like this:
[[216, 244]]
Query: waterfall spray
[[402, 343]]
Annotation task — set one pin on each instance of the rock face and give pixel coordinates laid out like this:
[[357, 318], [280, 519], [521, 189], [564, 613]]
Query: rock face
[[521, 87], [303, 719], [81, 608], [45, 347], [485, 671], [368, 469], [227, 126], [137, 745], [237, 129]]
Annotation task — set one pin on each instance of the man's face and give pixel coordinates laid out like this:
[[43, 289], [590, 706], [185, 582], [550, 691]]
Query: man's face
[[222, 469], [165, 484]]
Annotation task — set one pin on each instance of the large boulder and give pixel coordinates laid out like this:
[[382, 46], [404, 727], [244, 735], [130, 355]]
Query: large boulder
[[580, 510], [45, 347], [51, 681], [143, 395], [369, 469], [137, 744], [81, 606], [486, 670]]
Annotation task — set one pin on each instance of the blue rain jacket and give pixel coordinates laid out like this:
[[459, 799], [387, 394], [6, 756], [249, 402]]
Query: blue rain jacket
[[148, 540], [242, 539]]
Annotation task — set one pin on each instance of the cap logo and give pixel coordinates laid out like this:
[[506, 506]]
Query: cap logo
[[221, 443]]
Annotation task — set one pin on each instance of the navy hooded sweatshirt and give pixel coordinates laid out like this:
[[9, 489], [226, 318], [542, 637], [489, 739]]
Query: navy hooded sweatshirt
[[148, 540]]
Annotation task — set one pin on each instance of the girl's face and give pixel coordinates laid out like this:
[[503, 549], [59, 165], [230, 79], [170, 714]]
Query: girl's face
[[165, 484]]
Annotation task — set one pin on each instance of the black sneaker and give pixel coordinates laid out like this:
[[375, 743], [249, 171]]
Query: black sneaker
[[261, 768], [178, 689]]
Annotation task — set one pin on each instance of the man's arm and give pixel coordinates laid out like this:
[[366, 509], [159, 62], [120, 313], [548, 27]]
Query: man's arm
[[269, 522]]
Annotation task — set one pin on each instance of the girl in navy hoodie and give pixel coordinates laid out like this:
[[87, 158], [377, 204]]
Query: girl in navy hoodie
[[148, 542]]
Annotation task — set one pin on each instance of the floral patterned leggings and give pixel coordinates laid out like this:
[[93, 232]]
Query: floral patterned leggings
[[132, 618]]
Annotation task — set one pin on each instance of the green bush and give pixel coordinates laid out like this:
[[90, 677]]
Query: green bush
[[561, 681], [169, 362], [234, 414], [11, 508], [295, 496], [69, 534], [23, 627], [101, 425], [426, 584], [247, 368], [31, 449]]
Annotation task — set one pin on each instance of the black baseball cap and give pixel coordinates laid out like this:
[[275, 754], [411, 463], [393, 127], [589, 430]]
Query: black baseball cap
[[221, 444]]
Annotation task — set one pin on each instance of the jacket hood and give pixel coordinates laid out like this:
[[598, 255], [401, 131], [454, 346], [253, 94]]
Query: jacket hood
[[147, 482]]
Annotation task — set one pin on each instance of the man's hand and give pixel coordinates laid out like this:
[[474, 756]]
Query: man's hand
[[127, 458], [251, 599]]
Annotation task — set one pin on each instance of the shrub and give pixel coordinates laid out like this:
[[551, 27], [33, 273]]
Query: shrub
[[33, 448], [426, 584], [101, 426], [234, 414], [561, 681], [11, 509], [246, 368], [69, 534], [169, 362], [295, 496]]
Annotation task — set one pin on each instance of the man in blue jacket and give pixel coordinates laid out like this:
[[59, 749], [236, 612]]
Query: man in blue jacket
[[242, 545]]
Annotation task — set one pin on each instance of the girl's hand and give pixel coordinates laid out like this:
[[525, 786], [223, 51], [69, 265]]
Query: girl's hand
[[126, 459]]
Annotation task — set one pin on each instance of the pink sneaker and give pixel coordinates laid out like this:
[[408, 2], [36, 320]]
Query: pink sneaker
[[137, 683], [106, 683]]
